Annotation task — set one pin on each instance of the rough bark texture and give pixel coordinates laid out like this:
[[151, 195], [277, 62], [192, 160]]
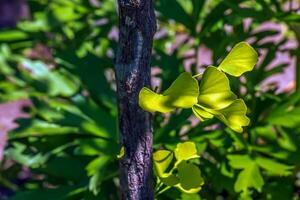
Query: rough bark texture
[[137, 26]]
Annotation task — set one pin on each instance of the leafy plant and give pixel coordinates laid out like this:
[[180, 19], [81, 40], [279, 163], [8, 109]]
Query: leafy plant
[[183, 174], [62, 61], [213, 97]]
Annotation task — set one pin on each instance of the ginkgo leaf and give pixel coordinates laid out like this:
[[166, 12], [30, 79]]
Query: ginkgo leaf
[[152, 102], [185, 151], [183, 175], [183, 93], [216, 99], [215, 90], [122, 153], [189, 175], [169, 179], [161, 161], [240, 59], [200, 113], [234, 116]]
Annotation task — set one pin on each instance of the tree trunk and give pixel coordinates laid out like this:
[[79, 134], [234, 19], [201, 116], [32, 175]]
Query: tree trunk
[[137, 26]]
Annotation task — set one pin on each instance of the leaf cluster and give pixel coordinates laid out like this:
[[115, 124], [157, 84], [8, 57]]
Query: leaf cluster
[[61, 59]]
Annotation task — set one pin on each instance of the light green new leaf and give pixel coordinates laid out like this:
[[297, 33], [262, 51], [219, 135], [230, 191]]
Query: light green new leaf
[[185, 151], [234, 116], [250, 177], [240, 59], [274, 167], [190, 180], [169, 179], [152, 102], [121, 153], [162, 160], [246, 195], [96, 164], [11, 35], [200, 113], [183, 93], [215, 90], [216, 99], [239, 161]]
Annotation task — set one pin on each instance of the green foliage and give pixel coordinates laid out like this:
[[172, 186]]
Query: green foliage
[[184, 175], [214, 96], [62, 60], [241, 59], [183, 93]]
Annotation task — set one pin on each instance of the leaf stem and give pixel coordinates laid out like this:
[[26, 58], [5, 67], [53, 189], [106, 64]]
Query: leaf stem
[[163, 190]]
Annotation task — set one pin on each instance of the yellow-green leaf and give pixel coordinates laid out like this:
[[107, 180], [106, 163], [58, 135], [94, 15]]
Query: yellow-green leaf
[[185, 151], [215, 90], [241, 58], [234, 116], [183, 93], [122, 153], [161, 161], [152, 102], [169, 179], [250, 177], [200, 113], [239, 161], [190, 180], [274, 167]]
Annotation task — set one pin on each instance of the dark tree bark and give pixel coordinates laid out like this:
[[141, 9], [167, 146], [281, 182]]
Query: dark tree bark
[[137, 26]]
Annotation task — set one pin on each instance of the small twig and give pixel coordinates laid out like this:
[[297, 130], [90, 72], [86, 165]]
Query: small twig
[[163, 190]]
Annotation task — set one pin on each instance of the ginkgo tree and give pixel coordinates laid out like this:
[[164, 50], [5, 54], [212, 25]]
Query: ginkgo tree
[[212, 97], [74, 109]]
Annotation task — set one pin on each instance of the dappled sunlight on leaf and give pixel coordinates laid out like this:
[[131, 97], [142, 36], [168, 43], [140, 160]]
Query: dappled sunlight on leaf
[[190, 180], [241, 58], [183, 93], [181, 174], [185, 151], [215, 92]]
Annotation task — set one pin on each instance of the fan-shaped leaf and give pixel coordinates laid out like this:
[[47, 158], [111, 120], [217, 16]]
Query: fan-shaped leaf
[[240, 59], [215, 90], [190, 180], [234, 116], [162, 160], [185, 151], [200, 113], [183, 93]]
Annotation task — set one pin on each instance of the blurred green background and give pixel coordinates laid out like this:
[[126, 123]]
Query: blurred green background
[[58, 128]]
